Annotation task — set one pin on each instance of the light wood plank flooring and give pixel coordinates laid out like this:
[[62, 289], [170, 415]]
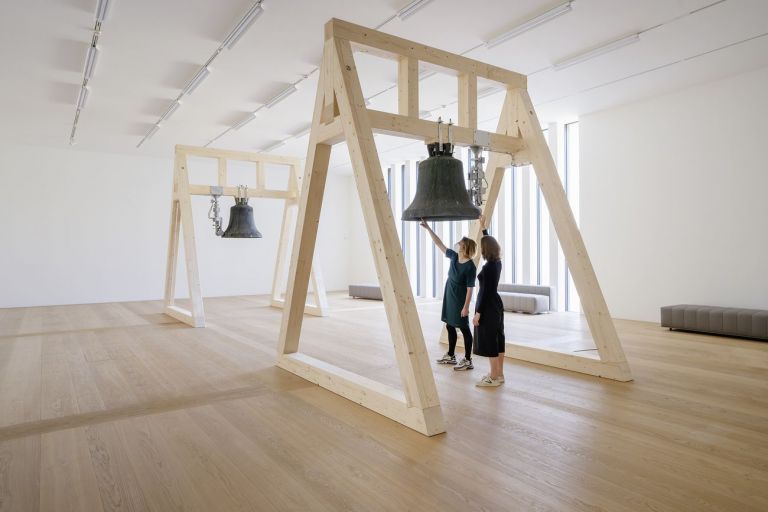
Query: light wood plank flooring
[[117, 407]]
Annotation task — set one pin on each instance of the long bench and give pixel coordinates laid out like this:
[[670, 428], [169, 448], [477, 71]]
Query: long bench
[[527, 298], [745, 323]]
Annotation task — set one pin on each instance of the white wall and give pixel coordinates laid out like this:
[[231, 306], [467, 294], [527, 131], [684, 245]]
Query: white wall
[[82, 227], [674, 198]]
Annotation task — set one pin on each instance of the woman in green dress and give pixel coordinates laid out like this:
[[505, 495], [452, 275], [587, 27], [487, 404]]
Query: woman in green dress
[[457, 296]]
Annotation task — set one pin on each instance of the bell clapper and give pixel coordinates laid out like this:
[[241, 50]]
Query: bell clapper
[[477, 183], [440, 134], [214, 215]]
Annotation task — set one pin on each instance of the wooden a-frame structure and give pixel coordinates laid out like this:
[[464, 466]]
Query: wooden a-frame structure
[[182, 222], [340, 114]]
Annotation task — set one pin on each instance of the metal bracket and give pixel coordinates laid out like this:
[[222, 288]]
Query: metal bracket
[[481, 138]]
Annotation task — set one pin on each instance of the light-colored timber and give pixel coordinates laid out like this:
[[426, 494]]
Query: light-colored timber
[[115, 407], [181, 219], [340, 114]]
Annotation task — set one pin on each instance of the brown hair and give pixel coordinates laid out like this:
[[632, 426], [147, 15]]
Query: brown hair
[[490, 248], [468, 247]]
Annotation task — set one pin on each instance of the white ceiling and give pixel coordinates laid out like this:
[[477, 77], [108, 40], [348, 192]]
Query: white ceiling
[[150, 49]]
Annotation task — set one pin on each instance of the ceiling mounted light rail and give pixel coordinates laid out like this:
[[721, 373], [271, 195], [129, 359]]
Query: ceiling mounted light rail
[[91, 56], [237, 32], [532, 23]]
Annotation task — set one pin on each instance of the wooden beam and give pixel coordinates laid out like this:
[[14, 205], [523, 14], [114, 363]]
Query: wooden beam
[[408, 339], [380, 398], [564, 361], [184, 316], [190, 245], [222, 174], [205, 190], [173, 251], [241, 156], [403, 126], [391, 47], [468, 100], [592, 300], [302, 255], [408, 86]]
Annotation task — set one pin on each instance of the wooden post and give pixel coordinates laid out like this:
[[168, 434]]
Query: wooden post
[[408, 87]]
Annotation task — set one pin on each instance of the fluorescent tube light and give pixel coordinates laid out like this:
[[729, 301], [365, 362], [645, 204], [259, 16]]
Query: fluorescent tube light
[[302, 133], [591, 54], [102, 8], [280, 97], [90, 62], [149, 134], [243, 25], [244, 121], [530, 24], [82, 98], [274, 146], [168, 113], [411, 8], [197, 79]]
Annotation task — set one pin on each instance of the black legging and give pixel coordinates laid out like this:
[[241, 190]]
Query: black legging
[[452, 337]]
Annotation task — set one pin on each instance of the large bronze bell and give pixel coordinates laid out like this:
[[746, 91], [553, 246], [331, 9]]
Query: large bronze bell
[[241, 222], [441, 192]]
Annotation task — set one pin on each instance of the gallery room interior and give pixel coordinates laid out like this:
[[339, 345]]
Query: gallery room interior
[[384, 255]]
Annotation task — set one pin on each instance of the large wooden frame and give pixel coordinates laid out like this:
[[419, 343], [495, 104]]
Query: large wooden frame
[[340, 114], [181, 221]]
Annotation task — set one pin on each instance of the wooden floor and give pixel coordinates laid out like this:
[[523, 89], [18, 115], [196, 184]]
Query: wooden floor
[[116, 407]]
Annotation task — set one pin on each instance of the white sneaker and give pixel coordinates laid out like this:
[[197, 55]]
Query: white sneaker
[[447, 359], [500, 378], [488, 382], [464, 364]]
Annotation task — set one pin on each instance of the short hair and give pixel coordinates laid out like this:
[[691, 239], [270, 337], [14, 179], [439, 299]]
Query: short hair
[[490, 248], [469, 247]]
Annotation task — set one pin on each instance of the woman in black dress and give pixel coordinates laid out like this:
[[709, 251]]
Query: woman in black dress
[[489, 311]]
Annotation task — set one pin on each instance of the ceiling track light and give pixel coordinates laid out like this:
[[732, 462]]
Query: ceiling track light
[[102, 9], [411, 9], [168, 113], [302, 133], [274, 146], [197, 80], [82, 97], [90, 61], [281, 96], [149, 134], [530, 24], [243, 25], [244, 121], [600, 50]]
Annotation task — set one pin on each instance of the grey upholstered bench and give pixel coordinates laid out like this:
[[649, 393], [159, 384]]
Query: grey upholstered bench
[[526, 298], [747, 323], [365, 291]]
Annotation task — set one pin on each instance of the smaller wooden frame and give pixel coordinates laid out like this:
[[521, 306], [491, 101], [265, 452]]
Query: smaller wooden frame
[[182, 222]]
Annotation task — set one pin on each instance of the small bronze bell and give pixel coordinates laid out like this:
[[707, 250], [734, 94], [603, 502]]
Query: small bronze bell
[[441, 192], [241, 223]]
